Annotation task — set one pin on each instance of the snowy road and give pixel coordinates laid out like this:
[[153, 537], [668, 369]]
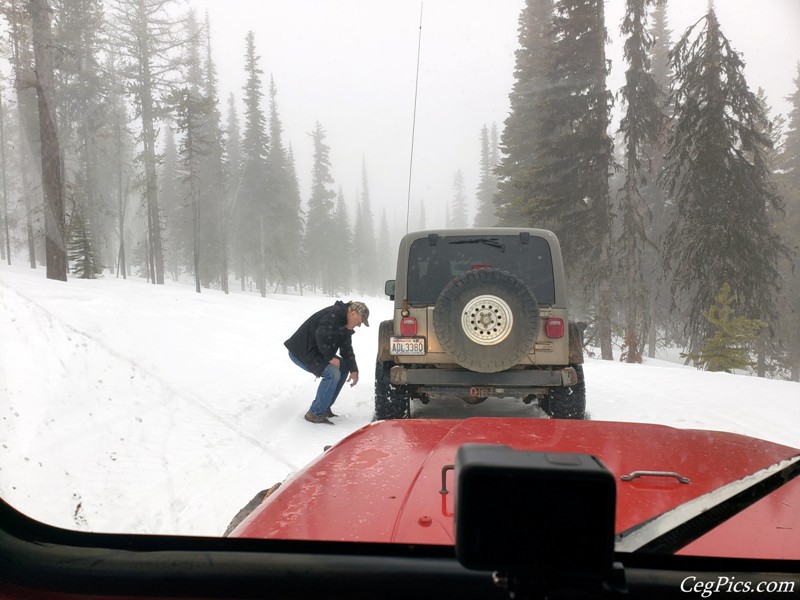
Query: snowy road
[[131, 407]]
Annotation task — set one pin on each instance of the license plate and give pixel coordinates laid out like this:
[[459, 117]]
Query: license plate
[[407, 346]]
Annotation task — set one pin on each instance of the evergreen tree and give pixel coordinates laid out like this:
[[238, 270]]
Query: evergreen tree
[[251, 216], [717, 174], [788, 180], [386, 251], [81, 92], [146, 33], [178, 226], [285, 222], [733, 337], [421, 220], [652, 193], [529, 114], [296, 243], [487, 188], [81, 251], [558, 152], [116, 162], [640, 127], [366, 263], [494, 152], [213, 180], [19, 24], [234, 168], [233, 136], [459, 202], [191, 109], [319, 257], [341, 244]]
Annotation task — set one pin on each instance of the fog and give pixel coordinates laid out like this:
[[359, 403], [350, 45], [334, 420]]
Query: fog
[[351, 64]]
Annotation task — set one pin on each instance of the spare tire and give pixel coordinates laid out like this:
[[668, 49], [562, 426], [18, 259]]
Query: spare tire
[[487, 320]]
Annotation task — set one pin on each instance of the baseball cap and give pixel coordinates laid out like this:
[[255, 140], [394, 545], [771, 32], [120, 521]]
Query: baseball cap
[[361, 309]]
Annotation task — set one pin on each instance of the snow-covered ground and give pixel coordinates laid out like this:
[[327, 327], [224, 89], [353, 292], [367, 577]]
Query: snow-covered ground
[[126, 406]]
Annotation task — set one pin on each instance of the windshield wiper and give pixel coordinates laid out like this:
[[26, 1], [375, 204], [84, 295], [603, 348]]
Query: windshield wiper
[[670, 531], [493, 242]]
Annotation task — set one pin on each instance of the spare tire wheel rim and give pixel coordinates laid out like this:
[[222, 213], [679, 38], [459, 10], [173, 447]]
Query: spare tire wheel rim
[[487, 320]]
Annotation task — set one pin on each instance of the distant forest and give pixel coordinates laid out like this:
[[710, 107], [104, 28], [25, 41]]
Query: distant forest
[[681, 226]]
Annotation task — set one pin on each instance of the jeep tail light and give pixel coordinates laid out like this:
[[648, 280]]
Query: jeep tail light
[[408, 326], [554, 328]]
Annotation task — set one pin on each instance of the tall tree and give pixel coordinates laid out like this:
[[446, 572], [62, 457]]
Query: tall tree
[[319, 257], [716, 172], [234, 167], [364, 239], [285, 222], [487, 187], [19, 20], [146, 34], [528, 118], [5, 238], [640, 127], [558, 151], [191, 109], [296, 244], [52, 172], [118, 160], [658, 317], [789, 227], [212, 175], [82, 93], [171, 196], [421, 219], [341, 243], [458, 216], [387, 259], [250, 204]]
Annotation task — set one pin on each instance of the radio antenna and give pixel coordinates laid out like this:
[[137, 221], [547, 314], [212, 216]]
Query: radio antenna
[[414, 120]]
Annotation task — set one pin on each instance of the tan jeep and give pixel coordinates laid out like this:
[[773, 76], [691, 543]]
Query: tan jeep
[[480, 313]]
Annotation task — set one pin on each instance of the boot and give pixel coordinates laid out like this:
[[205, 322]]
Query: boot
[[312, 418]]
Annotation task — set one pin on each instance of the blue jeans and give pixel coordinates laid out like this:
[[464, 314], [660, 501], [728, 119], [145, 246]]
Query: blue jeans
[[332, 383]]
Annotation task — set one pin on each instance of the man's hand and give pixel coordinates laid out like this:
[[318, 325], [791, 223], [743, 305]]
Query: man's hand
[[353, 379], [334, 361]]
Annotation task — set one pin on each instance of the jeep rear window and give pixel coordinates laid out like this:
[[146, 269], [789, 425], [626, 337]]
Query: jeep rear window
[[431, 267]]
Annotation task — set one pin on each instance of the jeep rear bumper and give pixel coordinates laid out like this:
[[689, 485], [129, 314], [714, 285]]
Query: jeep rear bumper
[[458, 378]]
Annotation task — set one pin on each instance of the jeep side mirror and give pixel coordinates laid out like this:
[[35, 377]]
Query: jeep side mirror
[[388, 288]]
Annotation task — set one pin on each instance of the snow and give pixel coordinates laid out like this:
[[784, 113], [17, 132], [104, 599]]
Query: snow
[[131, 407]]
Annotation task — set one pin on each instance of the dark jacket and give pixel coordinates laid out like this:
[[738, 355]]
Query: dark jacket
[[321, 337]]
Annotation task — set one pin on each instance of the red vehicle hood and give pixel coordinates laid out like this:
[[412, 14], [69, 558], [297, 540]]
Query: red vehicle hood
[[384, 482]]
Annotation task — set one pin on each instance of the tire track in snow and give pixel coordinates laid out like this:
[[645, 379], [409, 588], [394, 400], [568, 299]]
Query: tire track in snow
[[154, 376]]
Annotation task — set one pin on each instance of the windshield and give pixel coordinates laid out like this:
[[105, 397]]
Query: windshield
[[193, 190]]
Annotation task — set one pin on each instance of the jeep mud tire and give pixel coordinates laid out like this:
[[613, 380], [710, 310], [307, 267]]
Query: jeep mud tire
[[391, 401], [487, 320], [566, 402]]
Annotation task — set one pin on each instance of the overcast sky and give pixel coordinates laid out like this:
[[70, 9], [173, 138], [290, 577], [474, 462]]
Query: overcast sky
[[350, 64]]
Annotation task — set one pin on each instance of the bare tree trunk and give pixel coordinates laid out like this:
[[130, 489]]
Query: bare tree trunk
[[652, 331], [7, 246], [224, 241], [26, 198], [761, 354], [55, 241], [148, 138], [26, 126], [122, 198]]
